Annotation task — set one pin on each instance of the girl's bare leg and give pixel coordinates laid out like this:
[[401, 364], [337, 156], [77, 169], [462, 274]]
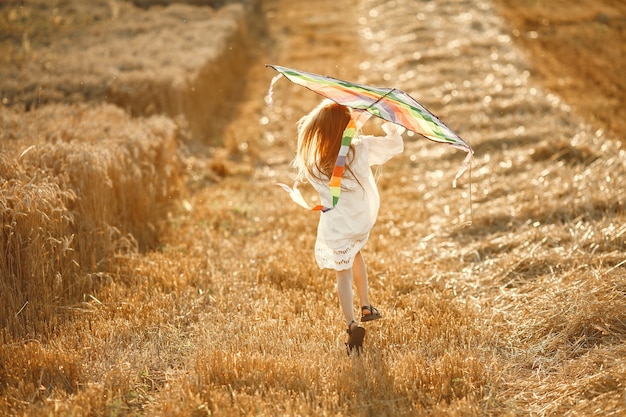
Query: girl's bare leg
[[346, 296], [360, 279]]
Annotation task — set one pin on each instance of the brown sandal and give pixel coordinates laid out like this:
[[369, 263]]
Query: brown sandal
[[356, 334], [373, 314]]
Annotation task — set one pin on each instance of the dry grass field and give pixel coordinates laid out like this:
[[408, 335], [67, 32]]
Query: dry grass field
[[150, 265]]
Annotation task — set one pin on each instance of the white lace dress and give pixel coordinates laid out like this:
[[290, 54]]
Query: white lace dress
[[343, 231]]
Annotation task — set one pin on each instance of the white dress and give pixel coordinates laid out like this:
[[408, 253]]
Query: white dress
[[343, 231]]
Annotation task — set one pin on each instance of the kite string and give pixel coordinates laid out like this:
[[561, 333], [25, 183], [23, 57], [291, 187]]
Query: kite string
[[467, 165], [470, 196], [378, 173]]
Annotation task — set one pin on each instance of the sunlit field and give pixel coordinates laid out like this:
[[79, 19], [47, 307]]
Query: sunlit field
[[150, 265]]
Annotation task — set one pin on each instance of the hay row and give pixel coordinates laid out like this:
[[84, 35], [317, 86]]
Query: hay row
[[92, 182], [185, 61]]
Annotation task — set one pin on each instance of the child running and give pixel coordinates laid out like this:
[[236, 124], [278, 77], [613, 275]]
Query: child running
[[343, 231]]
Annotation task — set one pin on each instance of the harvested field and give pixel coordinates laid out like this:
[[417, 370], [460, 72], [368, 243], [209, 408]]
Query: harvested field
[[150, 265]]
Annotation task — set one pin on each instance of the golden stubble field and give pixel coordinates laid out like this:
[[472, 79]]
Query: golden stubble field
[[150, 270]]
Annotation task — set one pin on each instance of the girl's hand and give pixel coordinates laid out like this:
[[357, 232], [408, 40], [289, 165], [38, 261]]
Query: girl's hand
[[393, 129], [360, 117]]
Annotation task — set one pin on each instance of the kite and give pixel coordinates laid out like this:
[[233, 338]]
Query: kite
[[390, 104]]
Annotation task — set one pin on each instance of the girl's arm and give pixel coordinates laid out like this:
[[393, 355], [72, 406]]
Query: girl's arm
[[383, 148]]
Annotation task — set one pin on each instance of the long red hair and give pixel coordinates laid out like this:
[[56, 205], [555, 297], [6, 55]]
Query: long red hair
[[319, 139]]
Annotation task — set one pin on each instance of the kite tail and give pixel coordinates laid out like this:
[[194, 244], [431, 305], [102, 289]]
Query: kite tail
[[466, 164], [270, 92]]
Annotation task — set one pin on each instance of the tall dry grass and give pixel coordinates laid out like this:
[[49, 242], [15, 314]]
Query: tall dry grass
[[79, 184]]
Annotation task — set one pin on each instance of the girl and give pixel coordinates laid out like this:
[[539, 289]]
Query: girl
[[343, 231]]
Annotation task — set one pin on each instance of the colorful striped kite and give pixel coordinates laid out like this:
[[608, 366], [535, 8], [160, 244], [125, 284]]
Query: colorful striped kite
[[389, 104]]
